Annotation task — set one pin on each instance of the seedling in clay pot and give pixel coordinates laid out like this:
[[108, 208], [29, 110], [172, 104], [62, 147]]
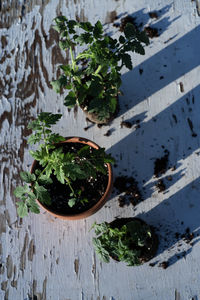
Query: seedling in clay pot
[[130, 240], [93, 78], [70, 177]]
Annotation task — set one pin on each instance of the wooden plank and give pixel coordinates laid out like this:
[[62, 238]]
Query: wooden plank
[[47, 258]]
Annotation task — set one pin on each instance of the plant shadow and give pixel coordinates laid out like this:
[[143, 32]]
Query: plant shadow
[[161, 69], [177, 222]]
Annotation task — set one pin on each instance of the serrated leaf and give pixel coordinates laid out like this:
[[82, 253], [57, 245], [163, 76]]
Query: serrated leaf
[[56, 85], [22, 209], [127, 61], [34, 138], [70, 100], [27, 177], [42, 194], [122, 39], [129, 31], [64, 44], [20, 191], [87, 26], [35, 125], [33, 206], [98, 29], [60, 175], [45, 180]]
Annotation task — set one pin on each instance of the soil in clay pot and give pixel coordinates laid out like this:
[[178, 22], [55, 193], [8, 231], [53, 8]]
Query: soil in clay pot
[[92, 189]]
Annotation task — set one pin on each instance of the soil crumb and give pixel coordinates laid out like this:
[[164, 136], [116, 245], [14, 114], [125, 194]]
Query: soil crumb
[[126, 124], [153, 15], [161, 164], [140, 71], [151, 32], [160, 186], [164, 264], [128, 186], [181, 87], [126, 20], [108, 133]]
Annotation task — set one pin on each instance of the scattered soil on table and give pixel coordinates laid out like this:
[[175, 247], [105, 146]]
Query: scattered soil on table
[[151, 32], [153, 15], [164, 264], [128, 19], [92, 189], [181, 87], [191, 127], [187, 236], [140, 71], [160, 186], [126, 124], [129, 187], [108, 133], [161, 164]]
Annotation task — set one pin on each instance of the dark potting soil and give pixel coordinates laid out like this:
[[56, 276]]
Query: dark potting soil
[[151, 32], [150, 249], [129, 187], [161, 164], [92, 189]]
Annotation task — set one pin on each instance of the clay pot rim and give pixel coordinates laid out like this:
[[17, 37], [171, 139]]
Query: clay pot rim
[[102, 200]]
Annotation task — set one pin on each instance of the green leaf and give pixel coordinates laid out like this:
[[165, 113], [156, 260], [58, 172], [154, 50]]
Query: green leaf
[[35, 125], [101, 252], [60, 175], [113, 104], [86, 26], [65, 44], [70, 100], [49, 118], [127, 61], [129, 31], [84, 151], [122, 40], [33, 206], [45, 180], [98, 30], [34, 138], [72, 202], [42, 194], [20, 191], [22, 209], [56, 86], [84, 38], [27, 177], [55, 138]]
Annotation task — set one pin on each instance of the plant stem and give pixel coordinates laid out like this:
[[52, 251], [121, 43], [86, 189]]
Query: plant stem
[[98, 70], [69, 184], [72, 58]]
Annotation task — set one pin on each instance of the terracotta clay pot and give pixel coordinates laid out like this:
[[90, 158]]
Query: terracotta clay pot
[[102, 200]]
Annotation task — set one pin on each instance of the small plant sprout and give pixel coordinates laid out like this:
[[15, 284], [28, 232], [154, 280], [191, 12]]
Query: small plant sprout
[[123, 243], [53, 162], [93, 77]]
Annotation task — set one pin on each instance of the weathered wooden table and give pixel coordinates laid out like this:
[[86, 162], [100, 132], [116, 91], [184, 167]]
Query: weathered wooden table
[[42, 257]]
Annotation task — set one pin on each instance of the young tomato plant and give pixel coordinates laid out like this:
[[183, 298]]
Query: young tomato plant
[[53, 161], [93, 78], [123, 243]]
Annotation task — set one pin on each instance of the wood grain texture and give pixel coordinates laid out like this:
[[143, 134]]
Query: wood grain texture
[[44, 258]]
